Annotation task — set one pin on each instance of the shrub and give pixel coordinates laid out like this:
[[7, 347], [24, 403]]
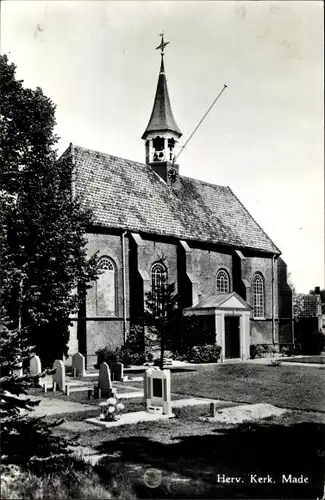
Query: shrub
[[291, 349], [313, 343], [107, 355], [204, 353], [191, 331], [260, 350], [17, 483], [129, 357]]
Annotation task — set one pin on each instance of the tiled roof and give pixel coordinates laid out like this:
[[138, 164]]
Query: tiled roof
[[128, 195], [217, 300], [162, 117]]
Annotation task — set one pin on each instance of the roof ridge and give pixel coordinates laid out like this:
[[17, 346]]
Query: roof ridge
[[231, 191], [109, 155]]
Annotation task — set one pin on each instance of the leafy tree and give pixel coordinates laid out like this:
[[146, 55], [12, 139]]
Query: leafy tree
[[26, 441], [297, 299], [45, 259], [162, 314]]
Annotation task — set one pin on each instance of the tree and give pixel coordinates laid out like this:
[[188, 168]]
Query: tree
[[45, 259], [161, 313], [24, 440], [297, 299]]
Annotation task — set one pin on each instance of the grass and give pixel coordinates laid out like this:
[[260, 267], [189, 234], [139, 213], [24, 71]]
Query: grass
[[308, 359], [85, 484], [190, 454], [297, 387]]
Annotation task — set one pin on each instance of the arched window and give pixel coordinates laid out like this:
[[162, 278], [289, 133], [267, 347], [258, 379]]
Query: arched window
[[106, 288], [258, 296], [159, 279], [223, 282]]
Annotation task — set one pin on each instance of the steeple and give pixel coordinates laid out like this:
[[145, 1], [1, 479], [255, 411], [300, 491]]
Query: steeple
[[162, 133]]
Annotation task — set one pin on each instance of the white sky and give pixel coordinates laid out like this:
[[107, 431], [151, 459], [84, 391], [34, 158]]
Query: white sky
[[264, 137]]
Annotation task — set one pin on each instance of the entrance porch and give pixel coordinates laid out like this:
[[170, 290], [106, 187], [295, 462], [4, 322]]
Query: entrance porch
[[232, 323]]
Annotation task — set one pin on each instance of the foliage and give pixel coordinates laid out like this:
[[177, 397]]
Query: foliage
[[43, 226], [204, 354], [188, 332], [107, 355], [131, 353], [25, 440], [111, 409], [77, 481], [161, 314], [312, 343], [291, 349]]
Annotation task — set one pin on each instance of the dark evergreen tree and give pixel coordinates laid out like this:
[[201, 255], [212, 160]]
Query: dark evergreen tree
[[45, 226], [162, 314]]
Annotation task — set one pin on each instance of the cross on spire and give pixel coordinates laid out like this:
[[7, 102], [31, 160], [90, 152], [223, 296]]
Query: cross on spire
[[162, 43]]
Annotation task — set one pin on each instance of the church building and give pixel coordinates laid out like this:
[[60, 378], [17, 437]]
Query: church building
[[223, 264]]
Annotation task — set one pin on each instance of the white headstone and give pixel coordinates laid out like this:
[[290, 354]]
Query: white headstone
[[117, 370], [59, 375], [104, 380], [157, 390], [78, 365], [35, 366]]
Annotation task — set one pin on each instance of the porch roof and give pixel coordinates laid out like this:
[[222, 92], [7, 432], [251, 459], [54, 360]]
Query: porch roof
[[219, 301]]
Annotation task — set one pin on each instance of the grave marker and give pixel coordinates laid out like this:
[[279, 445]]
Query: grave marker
[[35, 367], [59, 375], [117, 370], [104, 381], [157, 391], [78, 365]]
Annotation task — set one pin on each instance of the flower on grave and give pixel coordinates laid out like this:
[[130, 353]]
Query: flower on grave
[[110, 409]]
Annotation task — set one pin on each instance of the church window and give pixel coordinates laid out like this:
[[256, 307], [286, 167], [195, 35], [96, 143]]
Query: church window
[[258, 296], [106, 288], [223, 282], [159, 280]]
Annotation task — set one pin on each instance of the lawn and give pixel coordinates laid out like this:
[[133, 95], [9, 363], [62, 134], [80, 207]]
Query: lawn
[[298, 387], [308, 359], [190, 454]]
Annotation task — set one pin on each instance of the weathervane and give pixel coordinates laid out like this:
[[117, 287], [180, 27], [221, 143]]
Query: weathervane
[[162, 43]]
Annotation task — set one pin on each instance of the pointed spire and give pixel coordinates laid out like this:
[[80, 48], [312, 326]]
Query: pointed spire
[[162, 118]]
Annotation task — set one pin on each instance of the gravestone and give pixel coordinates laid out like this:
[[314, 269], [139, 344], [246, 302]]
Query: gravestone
[[117, 370], [59, 375], [35, 367], [78, 365], [104, 381], [157, 391]]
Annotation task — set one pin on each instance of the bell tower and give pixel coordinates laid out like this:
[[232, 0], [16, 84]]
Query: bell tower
[[162, 133]]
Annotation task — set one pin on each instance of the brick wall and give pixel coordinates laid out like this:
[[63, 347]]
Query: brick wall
[[206, 264]]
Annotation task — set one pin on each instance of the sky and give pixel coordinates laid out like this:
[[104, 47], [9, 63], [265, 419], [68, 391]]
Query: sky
[[264, 137]]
